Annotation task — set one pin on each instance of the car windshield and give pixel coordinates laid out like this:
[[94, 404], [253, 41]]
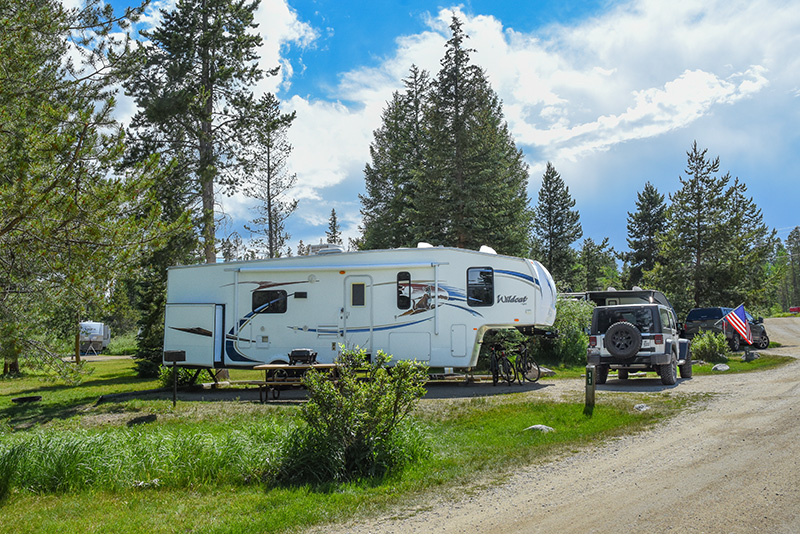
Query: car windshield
[[641, 317]]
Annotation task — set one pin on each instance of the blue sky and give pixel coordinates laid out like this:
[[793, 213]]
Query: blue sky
[[612, 93]]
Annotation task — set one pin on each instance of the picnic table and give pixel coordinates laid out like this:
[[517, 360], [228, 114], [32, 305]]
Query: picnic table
[[278, 376]]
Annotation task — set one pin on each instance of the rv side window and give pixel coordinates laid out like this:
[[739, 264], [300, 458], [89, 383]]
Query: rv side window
[[480, 286], [404, 290], [358, 294], [271, 301]]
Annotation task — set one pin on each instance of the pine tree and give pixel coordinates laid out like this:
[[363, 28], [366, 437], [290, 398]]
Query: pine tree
[[444, 166], [397, 159], [474, 191], [71, 224], [266, 152], [334, 233], [644, 226], [598, 265], [715, 248], [556, 227], [793, 272], [192, 84]]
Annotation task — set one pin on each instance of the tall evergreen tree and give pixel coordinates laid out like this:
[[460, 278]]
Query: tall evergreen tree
[[715, 248], [192, 84], [556, 227], [644, 226], [397, 160], [792, 290], [266, 153], [71, 223], [475, 189], [752, 249], [444, 166], [334, 233], [598, 265]]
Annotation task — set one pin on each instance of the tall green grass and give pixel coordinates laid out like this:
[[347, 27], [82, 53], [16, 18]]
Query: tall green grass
[[125, 458]]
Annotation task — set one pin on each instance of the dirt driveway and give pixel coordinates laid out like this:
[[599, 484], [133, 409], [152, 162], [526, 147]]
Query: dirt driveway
[[731, 467]]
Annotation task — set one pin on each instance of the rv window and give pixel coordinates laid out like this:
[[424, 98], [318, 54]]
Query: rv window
[[358, 294], [404, 290], [271, 301], [480, 286]]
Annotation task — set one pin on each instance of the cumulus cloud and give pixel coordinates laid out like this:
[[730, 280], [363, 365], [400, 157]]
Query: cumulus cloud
[[639, 70], [280, 28]]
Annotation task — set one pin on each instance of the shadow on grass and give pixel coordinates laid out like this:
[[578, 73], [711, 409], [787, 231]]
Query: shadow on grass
[[61, 401]]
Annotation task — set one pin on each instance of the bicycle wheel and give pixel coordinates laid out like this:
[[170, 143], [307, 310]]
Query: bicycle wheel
[[494, 368], [528, 367], [507, 370]]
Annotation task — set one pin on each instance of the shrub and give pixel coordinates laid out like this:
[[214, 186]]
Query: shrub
[[355, 426], [184, 376], [573, 318], [710, 347]]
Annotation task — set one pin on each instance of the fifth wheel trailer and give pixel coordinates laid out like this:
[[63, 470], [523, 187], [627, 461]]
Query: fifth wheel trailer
[[430, 304]]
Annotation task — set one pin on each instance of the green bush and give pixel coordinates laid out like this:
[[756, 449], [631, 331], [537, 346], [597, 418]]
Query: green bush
[[184, 375], [355, 426], [573, 318], [710, 347]]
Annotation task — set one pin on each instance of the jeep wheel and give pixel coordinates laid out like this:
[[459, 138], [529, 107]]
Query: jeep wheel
[[622, 374], [601, 374], [734, 343], [623, 340], [669, 372], [762, 342], [686, 369]]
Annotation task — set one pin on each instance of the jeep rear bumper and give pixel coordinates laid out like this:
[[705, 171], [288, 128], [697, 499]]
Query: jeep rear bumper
[[593, 357]]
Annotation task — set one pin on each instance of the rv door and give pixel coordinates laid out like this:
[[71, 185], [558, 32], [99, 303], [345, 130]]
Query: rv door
[[357, 312], [195, 333]]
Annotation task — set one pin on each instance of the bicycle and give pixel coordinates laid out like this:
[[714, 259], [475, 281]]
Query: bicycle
[[527, 368], [500, 365], [519, 365]]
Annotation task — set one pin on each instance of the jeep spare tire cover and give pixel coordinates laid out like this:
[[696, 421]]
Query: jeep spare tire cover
[[623, 340]]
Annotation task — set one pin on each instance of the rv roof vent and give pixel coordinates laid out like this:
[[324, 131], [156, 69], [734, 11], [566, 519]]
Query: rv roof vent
[[611, 288], [423, 244], [636, 288], [487, 250], [325, 248]]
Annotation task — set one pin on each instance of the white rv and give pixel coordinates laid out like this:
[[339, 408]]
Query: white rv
[[94, 336], [429, 304]]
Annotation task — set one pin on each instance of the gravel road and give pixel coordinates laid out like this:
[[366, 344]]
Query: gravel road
[[731, 467]]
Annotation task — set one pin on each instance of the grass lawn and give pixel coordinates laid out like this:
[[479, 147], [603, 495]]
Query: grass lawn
[[470, 443]]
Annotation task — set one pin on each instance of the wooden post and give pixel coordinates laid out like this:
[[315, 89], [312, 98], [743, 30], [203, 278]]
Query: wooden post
[[590, 386]]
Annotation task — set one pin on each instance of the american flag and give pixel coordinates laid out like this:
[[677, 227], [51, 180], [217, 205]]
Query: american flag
[[737, 318]]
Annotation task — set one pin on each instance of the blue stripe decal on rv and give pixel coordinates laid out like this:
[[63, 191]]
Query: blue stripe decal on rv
[[235, 355], [525, 277]]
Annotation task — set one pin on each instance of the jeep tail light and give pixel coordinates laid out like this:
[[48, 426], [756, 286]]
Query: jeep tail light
[[592, 341], [659, 339]]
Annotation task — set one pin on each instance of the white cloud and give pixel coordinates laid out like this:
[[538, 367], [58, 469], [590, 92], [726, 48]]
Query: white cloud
[[641, 70], [280, 27]]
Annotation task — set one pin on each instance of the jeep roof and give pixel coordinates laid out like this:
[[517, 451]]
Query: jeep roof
[[611, 297]]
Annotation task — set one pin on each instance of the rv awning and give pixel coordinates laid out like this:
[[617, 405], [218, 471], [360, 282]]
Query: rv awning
[[332, 267]]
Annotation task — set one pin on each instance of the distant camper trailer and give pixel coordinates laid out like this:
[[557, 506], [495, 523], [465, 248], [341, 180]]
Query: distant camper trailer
[[430, 304], [94, 337]]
